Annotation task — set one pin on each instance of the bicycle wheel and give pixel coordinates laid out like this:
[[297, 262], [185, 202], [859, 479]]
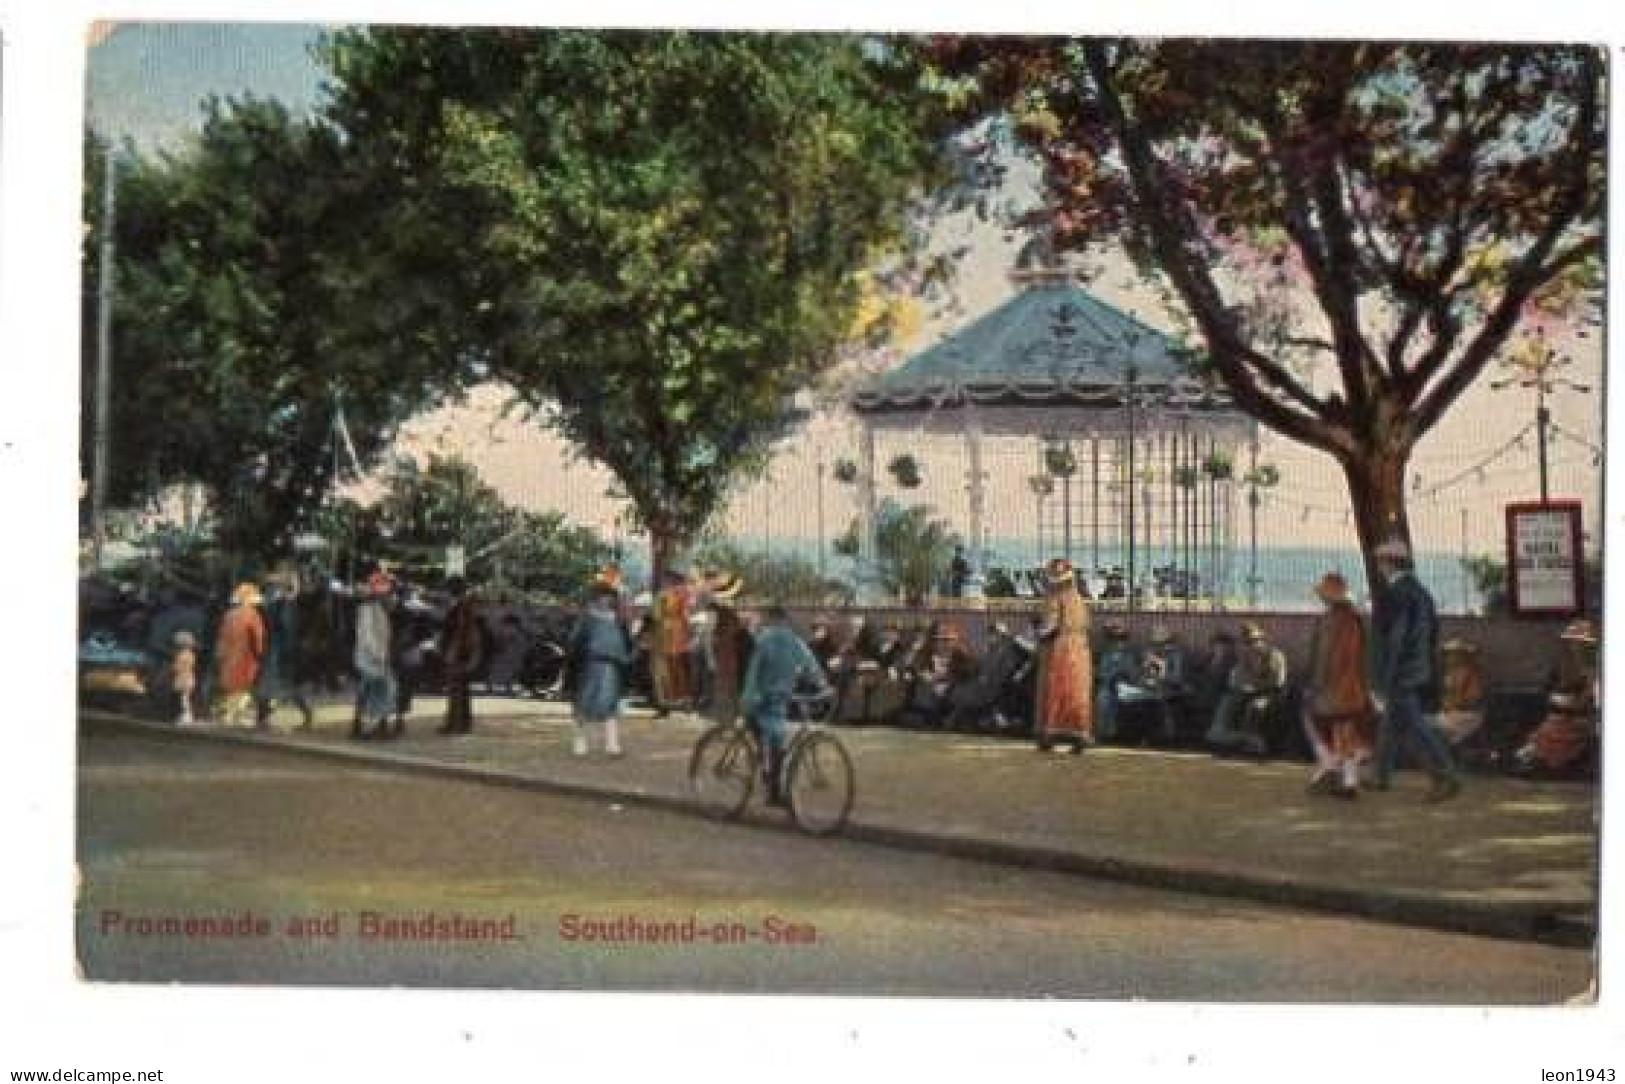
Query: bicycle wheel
[[821, 784], [722, 770]]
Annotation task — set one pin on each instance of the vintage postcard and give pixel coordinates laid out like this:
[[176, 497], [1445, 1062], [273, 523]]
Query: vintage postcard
[[898, 514]]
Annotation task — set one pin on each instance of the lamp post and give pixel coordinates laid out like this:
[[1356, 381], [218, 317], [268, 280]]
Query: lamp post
[[1128, 405], [102, 438], [1536, 367]]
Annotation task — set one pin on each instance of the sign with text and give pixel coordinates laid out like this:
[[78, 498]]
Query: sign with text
[[1544, 564]]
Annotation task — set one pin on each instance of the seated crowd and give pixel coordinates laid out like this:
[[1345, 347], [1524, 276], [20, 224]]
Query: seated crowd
[[1237, 696]]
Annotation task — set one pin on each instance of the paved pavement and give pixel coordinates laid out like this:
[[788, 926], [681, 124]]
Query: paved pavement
[[1509, 857]]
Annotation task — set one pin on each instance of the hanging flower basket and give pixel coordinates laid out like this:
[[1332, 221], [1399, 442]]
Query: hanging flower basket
[[1217, 466], [905, 471], [1042, 485], [846, 471], [1264, 476], [1059, 461]]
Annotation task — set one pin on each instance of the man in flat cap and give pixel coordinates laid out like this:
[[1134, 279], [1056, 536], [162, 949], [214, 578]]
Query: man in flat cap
[[1408, 635]]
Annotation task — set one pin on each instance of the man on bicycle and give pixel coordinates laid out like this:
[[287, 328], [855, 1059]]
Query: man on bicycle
[[778, 661]]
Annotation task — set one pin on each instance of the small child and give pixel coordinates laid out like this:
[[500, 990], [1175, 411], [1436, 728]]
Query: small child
[[183, 674]]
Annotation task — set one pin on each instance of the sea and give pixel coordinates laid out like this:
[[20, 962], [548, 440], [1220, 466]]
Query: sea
[[1285, 575]]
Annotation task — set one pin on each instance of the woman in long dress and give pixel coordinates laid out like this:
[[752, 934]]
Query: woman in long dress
[[669, 644], [1064, 710], [375, 686], [728, 648]]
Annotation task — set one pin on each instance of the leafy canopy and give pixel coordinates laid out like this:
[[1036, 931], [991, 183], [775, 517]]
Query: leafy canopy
[[242, 313], [1353, 229], [658, 236], [446, 503]]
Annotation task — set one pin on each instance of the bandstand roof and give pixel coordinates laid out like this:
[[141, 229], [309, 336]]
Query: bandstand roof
[[1051, 345]]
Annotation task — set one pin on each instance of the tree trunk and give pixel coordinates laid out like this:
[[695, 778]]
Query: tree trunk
[[663, 545], [1377, 489]]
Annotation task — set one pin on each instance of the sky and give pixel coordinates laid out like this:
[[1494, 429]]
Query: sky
[[148, 80]]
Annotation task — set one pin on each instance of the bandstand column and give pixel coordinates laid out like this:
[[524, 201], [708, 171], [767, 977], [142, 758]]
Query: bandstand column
[[868, 571], [972, 429]]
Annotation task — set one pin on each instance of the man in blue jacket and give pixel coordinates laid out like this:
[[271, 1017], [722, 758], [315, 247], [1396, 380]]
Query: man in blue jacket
[[778, 660], [1408, 635]]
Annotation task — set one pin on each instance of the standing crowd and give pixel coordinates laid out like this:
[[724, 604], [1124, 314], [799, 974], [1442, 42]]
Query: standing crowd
[[1362, 695]]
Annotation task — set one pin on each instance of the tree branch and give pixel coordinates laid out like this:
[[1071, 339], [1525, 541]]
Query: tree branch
[[1174, 238], [1533, 269], [1328, 254]]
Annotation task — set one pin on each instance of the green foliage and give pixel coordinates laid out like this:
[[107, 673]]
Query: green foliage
[[912, 548], [1489, 578], [1354, 229], [774, 577], [446, 504], [905, 471], [1218, 467], [847, 543], [241, 312], [1060, 461], [846, 472], [660, 233], [1264, 476]]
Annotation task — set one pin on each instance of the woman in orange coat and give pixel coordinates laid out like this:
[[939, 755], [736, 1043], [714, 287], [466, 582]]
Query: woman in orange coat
[[1065, 700], [238, 648], [1338, 710]]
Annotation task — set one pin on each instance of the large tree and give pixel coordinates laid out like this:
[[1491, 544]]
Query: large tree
[[659, 235], [445, 502], [242, 316], [1355, 230]]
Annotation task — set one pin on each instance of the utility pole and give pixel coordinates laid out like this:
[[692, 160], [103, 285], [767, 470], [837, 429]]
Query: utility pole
[[102, 436], [1543, 418], [1536, 367]]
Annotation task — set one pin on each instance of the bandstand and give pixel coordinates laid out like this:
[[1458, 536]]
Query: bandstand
[[1139, 451]]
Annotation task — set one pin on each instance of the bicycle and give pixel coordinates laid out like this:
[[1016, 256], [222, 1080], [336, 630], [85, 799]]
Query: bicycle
[[819, 782]]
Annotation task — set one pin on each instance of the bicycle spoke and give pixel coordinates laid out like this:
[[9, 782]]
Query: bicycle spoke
[[722, 771], [821, 784]]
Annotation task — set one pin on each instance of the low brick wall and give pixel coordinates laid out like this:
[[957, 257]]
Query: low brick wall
[[1514, 652]]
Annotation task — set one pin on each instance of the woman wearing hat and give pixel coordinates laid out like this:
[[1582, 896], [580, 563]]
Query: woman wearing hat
[[1156, 680], [670, 643], [1563, 739], [375, 690], [727, 650], [599, 653], [238, 648], [1063, 709], [1461, 690], [1339, 715]]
